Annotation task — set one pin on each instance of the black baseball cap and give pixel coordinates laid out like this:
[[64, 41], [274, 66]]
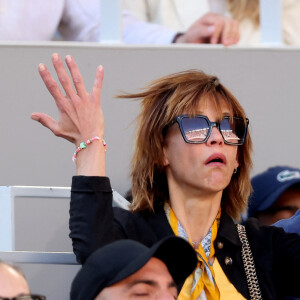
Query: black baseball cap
[[120, 259], [269, 185]]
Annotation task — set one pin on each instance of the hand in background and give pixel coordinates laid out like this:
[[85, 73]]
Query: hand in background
[[212, 28]]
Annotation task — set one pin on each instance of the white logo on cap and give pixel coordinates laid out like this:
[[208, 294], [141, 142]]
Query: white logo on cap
[[288, 175]]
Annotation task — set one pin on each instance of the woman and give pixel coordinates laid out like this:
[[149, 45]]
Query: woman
[[190, 177]]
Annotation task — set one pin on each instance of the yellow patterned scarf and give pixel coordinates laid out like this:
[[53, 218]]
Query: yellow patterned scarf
[[201, 283]]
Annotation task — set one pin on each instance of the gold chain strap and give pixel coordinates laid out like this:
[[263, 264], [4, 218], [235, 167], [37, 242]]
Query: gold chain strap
[[249, 266]]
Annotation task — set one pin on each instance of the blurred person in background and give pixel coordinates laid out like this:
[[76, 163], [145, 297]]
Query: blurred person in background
[[178, 22], [14, 285], [276, 194], [210, 21], [35, 20]]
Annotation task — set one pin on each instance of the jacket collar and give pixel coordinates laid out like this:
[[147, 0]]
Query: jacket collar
[[227, 229], [160, 224]]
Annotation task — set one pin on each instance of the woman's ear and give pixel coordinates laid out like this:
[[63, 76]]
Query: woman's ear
[[236, 161], [165, 157]]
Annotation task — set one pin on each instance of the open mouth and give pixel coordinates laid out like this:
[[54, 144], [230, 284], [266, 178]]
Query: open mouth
[[216, 159]]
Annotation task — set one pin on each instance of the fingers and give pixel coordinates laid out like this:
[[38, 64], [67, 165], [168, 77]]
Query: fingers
[[216, 35], [97, 87], [215, 23], [225, 30], [51, 84], [76, 76], [62, 75], [79, 114], [231, 34]]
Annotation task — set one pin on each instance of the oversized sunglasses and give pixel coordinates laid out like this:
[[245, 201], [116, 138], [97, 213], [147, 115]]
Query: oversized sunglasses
[[196, 129]]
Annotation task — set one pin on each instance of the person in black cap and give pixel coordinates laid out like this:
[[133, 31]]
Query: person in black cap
[[126, 269], [276, 194]]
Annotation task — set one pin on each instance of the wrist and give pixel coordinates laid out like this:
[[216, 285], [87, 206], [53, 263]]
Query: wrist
[[91, 160], [85, 144], [178, 38]]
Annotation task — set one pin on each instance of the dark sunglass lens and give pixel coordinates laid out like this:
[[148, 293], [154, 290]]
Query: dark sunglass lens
[[233, 130], [195, 128]]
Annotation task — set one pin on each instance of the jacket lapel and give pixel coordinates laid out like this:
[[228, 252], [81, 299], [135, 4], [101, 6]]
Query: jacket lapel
[[160, 225]]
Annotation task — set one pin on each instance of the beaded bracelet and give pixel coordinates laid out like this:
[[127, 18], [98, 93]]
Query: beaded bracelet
[[83, 145]]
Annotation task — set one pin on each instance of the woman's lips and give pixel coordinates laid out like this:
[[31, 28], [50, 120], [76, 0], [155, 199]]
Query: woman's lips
[[216, 159]]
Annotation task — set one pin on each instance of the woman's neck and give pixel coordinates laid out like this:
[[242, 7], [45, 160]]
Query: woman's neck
[[196, 213]]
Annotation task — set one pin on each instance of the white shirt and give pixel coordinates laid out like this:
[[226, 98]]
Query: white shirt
[[76, 20]]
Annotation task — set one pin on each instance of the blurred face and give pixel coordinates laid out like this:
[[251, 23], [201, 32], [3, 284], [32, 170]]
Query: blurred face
[[285, 207], [200, 168], [152, 281], [12, 283]]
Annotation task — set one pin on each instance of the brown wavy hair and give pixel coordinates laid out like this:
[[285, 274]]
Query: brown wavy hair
[[244, 9], [162, 101]]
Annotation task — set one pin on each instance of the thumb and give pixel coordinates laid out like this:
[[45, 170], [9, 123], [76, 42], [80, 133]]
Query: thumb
[[45, 120]]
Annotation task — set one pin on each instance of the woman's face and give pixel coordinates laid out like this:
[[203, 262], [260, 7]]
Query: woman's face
[[197, 169]]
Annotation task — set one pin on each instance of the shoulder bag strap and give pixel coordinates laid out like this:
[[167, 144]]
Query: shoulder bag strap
[[249, 266]]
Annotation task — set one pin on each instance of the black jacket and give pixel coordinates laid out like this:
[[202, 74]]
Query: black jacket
[[94, 223]]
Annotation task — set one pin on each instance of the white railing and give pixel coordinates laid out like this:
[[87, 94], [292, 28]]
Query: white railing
[[111, 21], [270, 22], [23, 214], [34, 257]]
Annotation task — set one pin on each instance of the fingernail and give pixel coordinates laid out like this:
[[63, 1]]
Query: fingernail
[[210, 29], [68, 58], [42, 67], [55, 57], [34, 117]]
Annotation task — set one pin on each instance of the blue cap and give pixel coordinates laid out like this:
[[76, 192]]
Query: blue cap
[[269, 185]]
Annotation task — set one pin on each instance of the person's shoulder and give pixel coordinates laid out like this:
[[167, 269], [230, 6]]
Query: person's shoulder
[[292, 224], [125, 215], [138, 225], [267, 235], [264, 233]]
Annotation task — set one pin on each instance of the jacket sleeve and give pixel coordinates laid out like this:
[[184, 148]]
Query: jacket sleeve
[[80, 21], [277, 259], [92, 223], [136, 31], [288, 261]]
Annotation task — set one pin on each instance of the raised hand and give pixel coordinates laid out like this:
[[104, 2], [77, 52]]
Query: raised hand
[[80, 113]]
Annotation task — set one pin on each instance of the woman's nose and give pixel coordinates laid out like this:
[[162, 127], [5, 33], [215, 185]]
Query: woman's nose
[[215, 137]]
